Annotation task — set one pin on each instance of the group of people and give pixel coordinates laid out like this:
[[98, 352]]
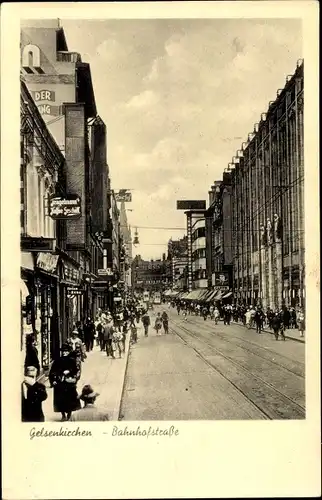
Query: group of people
[[278, 320], [64, 374]]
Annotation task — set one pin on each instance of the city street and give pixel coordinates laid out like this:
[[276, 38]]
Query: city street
[[207, 371]]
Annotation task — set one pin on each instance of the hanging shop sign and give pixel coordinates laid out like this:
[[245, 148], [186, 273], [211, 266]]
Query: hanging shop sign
[[47, 262], [191, 205], [71, 273], [72, 291], [31, 244], [68, 207], [220, 279], [123, 195]]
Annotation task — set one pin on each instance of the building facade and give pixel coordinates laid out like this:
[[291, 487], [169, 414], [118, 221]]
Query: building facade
[[268, 204], [198, 251], [58, 104], [42, 238], [219, 255], [149, 275]]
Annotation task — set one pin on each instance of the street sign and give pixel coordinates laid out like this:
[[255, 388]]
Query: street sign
[[68, 207], [191, 205]]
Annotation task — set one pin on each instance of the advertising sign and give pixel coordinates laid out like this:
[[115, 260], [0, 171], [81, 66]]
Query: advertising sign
[[191, 205], [123, 195], [220, 280], [105, 272], [47, 262], [68, 207]]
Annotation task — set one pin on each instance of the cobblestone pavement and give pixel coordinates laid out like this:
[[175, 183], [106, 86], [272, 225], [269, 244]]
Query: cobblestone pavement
[[205, 371]]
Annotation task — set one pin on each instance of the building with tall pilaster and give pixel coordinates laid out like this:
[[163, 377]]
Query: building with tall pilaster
[[268, 204]]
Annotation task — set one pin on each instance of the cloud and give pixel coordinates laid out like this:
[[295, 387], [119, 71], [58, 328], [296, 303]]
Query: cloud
[[178, 98]]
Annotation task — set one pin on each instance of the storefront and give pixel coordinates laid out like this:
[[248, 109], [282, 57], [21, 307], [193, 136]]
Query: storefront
[[46, 307], [71, 295], [26, 302]]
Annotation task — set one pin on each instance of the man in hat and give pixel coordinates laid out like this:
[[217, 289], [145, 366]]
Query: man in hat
[[89, 412], [33, 394]]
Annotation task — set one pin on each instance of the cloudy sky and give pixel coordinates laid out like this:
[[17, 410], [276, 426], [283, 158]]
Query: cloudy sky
[[179, 97]]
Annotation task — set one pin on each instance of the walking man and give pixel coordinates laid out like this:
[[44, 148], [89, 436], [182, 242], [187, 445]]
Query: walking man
[[146, 323], [165, 321]]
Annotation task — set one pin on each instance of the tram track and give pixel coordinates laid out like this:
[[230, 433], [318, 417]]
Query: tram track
[[242, 343], [271, 402]]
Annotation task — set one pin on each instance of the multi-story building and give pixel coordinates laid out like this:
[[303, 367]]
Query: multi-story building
[[219, 237], [178, 262], [198, 251], [61, 87], [126, 236], [149, 275], [42, 237], [268, 204]]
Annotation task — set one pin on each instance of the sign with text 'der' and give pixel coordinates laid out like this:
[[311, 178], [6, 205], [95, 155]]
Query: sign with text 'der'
[[191, 205], [68, 207]]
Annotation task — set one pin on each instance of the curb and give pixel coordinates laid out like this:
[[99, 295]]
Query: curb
[[116, 413], [271, 333]]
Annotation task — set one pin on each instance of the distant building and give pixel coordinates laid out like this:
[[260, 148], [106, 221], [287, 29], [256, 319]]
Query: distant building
[[149, 275]]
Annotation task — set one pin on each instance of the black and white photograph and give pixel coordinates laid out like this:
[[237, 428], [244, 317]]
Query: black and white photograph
[[164, 225], [162, 219]]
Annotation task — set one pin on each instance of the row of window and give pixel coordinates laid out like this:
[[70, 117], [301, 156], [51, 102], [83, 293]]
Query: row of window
[[198, 233]]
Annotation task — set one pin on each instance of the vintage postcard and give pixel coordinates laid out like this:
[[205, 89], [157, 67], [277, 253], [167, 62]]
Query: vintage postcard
[[160, 250]]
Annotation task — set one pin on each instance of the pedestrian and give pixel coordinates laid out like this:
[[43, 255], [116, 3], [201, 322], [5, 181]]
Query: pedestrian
[[89, 334], [211, 311], [205, 313], [89, 412], [31, 358], [178, 309], [165, 321], [75, 339], [158, 323], [248, 318], [63, 377], [134, 333], [258, 318], [301, 322], [33, 394], [277, 325], [100, 334], [146, 323], [108, 329], [116, 343]]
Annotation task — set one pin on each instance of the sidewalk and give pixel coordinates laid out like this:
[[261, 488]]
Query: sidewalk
[[290, 333], [106, 375]]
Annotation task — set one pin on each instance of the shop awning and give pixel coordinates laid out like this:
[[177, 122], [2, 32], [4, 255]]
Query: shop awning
[[24, 292], [203, 294], [211, 295], [227, 295], [219, 295]]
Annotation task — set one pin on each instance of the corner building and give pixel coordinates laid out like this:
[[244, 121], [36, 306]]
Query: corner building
[[268, 204]]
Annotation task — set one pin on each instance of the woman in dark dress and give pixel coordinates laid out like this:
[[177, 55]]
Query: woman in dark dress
[[33, 394], [63, 377], [32, 353]]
